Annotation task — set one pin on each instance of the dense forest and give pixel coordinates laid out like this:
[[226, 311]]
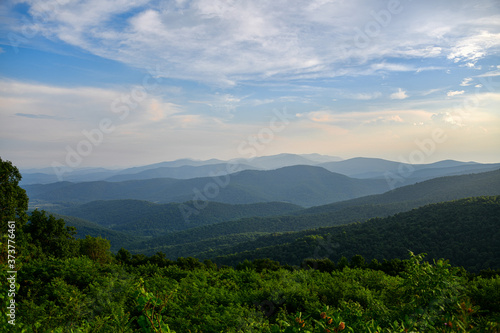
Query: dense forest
[[355, 277]]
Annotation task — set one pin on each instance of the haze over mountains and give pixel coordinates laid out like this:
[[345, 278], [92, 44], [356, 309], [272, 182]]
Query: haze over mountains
[[224, 209], [187, 168], [305, 180]]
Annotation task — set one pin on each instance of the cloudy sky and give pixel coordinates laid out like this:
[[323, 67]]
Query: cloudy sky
[[131, 82]]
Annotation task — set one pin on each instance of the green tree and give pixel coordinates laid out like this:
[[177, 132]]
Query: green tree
[[13, 205], [123, 256], [49, 236], [96, 248], [357, 261]]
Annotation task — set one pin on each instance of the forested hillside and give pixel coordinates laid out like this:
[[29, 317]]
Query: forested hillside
[[430, 191], [464, 231], [194, 242], [147, 218], [85, 228]]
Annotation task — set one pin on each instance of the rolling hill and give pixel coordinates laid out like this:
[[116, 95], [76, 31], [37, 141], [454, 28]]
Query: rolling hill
[[147, 218], [357, 210], [430, 191], [464, 231], [83, 227]]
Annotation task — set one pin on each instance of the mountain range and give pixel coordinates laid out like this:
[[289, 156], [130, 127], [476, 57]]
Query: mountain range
[[256, 208], [358, 167], [301, 185]]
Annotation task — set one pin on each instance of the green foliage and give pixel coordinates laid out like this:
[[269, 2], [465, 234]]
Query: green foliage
[[96, 248], [50, 236], [147, 218], [69, 285], [13, 206], [85, 228], [83, 295], [464, 231]]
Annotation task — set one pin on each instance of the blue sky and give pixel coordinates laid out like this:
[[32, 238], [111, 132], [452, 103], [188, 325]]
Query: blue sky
[[123, 83]]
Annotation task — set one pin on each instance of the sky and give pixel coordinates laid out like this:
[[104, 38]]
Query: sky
[[124, 83]]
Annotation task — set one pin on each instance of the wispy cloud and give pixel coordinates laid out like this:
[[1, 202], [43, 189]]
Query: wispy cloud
[[490, 74], [365, 96], [229, 42], [39, 116], [452, 93], [466, 82], [400, 94]]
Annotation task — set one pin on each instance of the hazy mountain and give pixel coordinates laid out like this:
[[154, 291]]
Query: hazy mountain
[[361, 167], [429, 173], [180, 172], [281, 160], [321, 158], [74, 175], [366, 167], [181, 169], [430, 191], [301, 185], [171, 164]]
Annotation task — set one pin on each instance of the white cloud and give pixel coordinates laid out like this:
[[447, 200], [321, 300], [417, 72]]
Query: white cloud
[[355, 119], [159, 110], [447, 119], [489, 74], [400, 94], [394, 119], [365, 96], [474, 47], [452, 93], [431, 91], [466, 82], [318, 116], [226, 42]]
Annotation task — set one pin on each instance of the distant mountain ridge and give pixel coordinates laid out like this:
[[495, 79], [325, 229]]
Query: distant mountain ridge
[[46, 175], [179, 172], [362, 167], [359, 167], [301, 185]]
